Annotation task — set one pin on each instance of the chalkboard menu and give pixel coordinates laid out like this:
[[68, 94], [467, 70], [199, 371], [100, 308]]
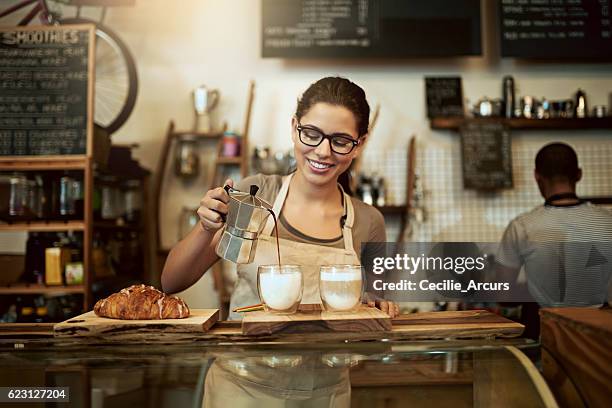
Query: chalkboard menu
[[45, 90], [556, 29], [444, 96], [370, 28], [486, 155]]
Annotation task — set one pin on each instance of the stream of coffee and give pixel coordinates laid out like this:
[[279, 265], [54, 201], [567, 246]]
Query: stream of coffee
[[276, 233]]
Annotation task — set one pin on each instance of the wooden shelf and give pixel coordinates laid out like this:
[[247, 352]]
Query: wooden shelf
[[529, 124], [22, 163], [107, 224], [602, 200], [44, 226], [392, 209], [25, 289], [200, 135], [229, 160], [20, 330]]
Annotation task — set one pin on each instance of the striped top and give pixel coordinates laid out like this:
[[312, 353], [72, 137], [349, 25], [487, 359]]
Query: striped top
[[566, 252]]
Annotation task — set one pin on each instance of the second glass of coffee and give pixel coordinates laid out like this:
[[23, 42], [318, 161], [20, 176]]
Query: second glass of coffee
[[341, 287]]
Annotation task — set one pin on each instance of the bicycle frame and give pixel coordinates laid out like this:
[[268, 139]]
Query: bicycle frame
[[41, 7]]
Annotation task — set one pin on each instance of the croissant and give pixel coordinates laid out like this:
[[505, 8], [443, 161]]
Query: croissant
[[140, 302]]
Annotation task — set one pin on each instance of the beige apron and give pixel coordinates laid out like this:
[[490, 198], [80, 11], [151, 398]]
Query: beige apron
[[309, 256], [249, 382]]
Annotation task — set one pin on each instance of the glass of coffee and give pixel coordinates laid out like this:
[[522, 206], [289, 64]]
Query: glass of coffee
[[341, 287], [280, 287]]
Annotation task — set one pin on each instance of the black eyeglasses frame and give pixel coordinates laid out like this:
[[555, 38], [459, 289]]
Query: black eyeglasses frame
[[354, 142]]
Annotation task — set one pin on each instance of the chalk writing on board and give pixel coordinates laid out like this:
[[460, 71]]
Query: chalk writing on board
[[444, 96], [44, 82], [486, 155], [569, 29]]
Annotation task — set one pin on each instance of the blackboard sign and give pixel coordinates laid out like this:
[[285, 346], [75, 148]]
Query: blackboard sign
[[370, 28], [486, 155], [444, 96], [46, 90], [556, 29]]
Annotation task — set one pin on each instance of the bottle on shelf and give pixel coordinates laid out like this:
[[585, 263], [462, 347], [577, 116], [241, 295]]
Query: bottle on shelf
[[10, 316], [74, 270], [133, 201], [509, 97], [56, 258], [99, 258], [25, 309], [70, 197], [42, 315], [34, 269], [66, 196], [27, 315]]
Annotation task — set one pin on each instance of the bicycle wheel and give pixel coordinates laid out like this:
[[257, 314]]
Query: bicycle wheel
[[116, 82]]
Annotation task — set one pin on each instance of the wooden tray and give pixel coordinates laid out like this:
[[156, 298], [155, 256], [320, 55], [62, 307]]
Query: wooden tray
[[88, 324], [366, 319]]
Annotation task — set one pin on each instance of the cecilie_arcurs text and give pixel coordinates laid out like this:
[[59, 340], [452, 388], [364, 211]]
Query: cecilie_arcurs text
[[444, 285]]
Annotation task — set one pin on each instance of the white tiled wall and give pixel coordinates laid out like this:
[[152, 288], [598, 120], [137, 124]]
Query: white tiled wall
[[455, 214]]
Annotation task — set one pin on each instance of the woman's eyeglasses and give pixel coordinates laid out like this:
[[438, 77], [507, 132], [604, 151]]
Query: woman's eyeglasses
[[313, 137]]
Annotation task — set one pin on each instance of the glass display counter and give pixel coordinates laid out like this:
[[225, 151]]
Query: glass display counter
[[459, 373]]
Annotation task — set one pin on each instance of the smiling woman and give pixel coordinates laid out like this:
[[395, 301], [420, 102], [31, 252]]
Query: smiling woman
[[319, 222]]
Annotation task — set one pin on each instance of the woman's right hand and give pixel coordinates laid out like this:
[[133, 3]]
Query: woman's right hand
[[212, 206]]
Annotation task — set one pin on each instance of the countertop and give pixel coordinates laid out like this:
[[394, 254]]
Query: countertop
[[418, 326]]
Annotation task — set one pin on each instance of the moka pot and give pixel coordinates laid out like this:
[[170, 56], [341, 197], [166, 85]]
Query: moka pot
[[246, 218]]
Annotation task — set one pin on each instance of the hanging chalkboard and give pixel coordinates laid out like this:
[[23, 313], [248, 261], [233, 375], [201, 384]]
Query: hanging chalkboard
[[444, 96], [46, 90], [486, 155], [370, 28], [576, 29]]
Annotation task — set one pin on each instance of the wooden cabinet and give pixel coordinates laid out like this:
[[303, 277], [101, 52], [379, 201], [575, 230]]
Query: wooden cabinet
[[79, 163], [84, 168]]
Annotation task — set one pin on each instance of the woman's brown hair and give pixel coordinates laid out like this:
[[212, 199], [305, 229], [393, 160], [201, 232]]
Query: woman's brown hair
[[341, 92]]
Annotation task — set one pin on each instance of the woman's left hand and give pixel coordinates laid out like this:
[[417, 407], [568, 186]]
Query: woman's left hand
[[391, 308]]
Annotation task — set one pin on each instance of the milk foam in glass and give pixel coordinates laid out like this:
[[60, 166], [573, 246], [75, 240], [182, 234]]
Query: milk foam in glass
[[280, 287], [341, 287]]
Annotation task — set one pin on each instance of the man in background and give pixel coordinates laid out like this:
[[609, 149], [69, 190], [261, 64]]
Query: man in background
[[564, 244]]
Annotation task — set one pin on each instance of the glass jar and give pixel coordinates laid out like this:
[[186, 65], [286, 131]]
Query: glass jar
[[112, 203], [133, 200], [187, 161], [70, 197], [231, 144], [19, 198]]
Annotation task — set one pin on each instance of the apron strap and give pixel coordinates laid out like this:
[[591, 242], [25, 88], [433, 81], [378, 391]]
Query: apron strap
[[278, 204], [348, 223], [349, 212]]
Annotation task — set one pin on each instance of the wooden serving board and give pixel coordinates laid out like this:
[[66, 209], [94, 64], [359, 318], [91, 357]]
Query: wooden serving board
[[88, 324], [366, 319], [454, 318]]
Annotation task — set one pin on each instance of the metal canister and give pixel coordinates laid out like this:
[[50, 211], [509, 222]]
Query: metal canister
[[508, 96]]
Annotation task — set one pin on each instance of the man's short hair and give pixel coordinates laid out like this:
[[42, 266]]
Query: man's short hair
[[557, 160]]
